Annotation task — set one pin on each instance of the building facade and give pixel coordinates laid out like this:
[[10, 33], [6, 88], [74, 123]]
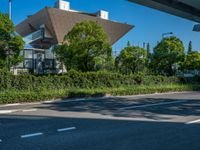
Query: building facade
[[47, 28]]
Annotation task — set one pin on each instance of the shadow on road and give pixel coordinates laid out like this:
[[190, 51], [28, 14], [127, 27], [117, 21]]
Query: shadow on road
[[112, 107]]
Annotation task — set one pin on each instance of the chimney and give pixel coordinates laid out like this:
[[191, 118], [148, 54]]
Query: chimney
[[103, 14], [63, 5]]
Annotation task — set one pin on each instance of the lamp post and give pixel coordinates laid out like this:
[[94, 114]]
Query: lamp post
[[167, 33], [10, 9]]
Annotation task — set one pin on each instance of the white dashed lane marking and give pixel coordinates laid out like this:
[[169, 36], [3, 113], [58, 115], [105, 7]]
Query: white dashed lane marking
[[66, 129], [31, 135], [40, 133]]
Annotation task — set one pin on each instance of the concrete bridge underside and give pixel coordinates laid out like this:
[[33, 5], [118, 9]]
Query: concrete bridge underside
[[189, 9]]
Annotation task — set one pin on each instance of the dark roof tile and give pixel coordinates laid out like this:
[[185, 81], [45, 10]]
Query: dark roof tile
[[60, 22]]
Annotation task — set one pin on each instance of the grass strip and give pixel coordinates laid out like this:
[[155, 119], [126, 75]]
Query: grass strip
[[42, 95]]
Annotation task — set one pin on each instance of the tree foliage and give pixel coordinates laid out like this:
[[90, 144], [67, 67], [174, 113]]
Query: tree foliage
[[190, 47], [192, 61], [132, 59], [86, 48], [168, 52], [148, 49], [10, 43]]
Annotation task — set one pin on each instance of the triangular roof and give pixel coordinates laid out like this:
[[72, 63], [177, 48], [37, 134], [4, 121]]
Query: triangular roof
[[60, 22]]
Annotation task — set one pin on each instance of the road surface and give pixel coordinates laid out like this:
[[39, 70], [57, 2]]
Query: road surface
[[149, 122]]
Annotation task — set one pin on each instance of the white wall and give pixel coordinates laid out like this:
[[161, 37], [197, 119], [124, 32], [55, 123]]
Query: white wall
[[63, 5], [103, 14]]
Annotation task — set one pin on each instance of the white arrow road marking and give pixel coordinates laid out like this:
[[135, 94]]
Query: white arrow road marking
[[31, 135], [66, 129]]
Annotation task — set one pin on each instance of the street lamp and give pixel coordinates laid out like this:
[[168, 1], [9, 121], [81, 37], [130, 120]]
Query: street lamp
[[10, 9], [167, 33]]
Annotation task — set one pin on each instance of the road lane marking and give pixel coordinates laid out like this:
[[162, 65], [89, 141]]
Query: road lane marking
[[66, 129], [7, 111], [0, 140], [16, 110], [193, 122], [156, 104], [8, 105], [31, 135], [29, 110]]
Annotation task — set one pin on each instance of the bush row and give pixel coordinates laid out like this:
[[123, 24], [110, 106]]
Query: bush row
[[75, 79], [32, 96]]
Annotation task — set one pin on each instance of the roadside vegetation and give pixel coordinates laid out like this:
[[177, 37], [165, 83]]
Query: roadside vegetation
[[30, 88], [33, 96], [10, 43], [86, 53]]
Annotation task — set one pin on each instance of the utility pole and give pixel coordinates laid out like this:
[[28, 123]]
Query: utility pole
[[10, 9]]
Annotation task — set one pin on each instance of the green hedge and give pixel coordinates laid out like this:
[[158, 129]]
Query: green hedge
[[30, 88], [75, 79], [33, 96]]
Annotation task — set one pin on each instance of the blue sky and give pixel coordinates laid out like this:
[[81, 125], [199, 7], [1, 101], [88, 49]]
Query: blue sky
[[149, 23]]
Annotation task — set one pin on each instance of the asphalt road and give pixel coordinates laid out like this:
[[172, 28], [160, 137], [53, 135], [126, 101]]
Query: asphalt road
[[150, 122]]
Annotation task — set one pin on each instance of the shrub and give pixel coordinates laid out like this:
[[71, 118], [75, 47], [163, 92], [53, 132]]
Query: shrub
[[88, 80], [28, 88], [74, 79]]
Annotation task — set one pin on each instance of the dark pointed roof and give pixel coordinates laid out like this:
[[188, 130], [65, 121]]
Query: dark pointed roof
[[60, 22]]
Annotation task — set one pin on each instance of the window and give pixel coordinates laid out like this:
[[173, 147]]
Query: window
[[28, 54], [49, 54], [49, 63], [28, 64]]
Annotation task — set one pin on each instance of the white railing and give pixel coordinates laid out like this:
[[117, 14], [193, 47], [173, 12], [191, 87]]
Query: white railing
[[33, 37]]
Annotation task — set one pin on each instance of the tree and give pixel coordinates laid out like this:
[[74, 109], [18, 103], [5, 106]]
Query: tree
[[190, 47], [149, 59], [128, 43], [148, 49], [86, 48], [192, 61], [168, 53], [131, 60], [10, 43]]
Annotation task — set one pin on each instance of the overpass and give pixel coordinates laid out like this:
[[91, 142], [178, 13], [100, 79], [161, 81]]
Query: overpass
[[189, 9]]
